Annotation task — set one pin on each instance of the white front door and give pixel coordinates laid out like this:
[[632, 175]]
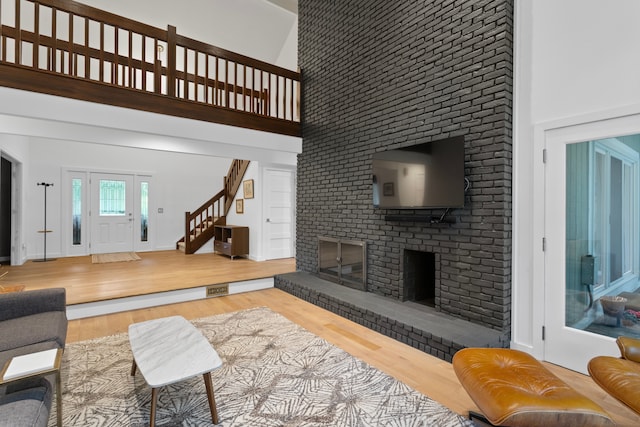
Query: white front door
[[279, 196], [112, 217], [592, 246]]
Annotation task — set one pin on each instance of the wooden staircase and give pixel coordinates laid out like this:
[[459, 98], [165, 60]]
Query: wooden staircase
[[199, 225]]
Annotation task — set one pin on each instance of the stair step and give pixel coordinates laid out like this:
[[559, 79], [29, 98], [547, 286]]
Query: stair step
[[195, 233]]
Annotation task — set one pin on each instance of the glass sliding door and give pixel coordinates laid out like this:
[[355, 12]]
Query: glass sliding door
[[585, 270], [602, 242]]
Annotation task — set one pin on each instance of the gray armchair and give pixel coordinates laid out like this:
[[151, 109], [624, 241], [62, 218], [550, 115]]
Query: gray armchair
[[30, 321]]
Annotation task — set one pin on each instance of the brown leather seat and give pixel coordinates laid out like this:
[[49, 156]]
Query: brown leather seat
[[620, 377], [512, 388]]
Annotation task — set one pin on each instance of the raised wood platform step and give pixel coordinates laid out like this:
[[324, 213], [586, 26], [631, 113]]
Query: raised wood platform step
[[419, 326], [136, 302]]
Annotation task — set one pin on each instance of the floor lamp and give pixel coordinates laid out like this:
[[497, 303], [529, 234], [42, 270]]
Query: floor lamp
[[44, 231]]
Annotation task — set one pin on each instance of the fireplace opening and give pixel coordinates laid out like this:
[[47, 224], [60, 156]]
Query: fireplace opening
[[420, 277]]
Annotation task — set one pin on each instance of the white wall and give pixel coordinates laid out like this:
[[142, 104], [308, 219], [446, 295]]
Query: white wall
[[180, 183], [252, 216], [255, 28], [575, 60], [288, 57]]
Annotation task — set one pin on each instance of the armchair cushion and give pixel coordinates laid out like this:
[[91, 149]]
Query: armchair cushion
[[26, 406]]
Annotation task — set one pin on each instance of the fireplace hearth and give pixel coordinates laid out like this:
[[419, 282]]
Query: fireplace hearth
[[417, 325]]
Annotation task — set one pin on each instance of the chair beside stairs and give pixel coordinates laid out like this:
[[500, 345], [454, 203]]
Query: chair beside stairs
[[199, 225]]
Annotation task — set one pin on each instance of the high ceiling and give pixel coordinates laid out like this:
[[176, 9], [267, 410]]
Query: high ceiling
[[290, 5]]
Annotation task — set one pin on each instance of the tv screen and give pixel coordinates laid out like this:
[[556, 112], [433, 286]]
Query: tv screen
[[423, 176]]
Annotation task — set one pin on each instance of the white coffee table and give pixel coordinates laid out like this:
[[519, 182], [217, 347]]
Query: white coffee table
[[169, 350]]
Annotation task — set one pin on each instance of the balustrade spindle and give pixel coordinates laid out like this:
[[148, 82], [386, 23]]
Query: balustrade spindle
[[36, 43], [71, 64], [53, 66], [18, 34]]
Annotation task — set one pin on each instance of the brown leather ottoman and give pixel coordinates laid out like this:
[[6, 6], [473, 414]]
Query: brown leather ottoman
[[512, 388]]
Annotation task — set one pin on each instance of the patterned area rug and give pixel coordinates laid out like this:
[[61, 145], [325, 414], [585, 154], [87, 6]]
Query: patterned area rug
[[114, 257], [274, 373]]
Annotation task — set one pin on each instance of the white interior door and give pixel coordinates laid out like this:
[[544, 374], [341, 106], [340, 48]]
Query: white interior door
[[279, 203], [591, 246], [112, 217]]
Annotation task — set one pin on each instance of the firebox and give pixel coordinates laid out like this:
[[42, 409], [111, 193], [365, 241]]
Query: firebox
[[343, 262], [420, 277]]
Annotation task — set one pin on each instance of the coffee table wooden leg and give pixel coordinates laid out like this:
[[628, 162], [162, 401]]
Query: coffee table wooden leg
[[133, 368], [212, 400], [154, 400]]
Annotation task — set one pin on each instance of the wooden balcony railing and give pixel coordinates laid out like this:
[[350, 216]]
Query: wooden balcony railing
[[65, 48]]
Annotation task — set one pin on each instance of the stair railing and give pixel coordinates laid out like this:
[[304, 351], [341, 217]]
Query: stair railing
[[233, 180], [199, 224]]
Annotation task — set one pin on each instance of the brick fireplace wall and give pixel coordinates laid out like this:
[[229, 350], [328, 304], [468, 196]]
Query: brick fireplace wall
[[379, 75]]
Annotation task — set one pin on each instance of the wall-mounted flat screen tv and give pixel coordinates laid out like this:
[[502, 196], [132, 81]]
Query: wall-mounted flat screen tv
[[423, 176]]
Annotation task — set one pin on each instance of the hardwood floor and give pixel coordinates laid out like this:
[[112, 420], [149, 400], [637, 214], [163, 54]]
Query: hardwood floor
[[155, 272], [427, 374]]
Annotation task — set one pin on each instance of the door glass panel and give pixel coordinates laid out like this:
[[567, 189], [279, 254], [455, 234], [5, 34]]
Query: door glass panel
[[112, 198], [144, 211], [76, 210], [602, 242]]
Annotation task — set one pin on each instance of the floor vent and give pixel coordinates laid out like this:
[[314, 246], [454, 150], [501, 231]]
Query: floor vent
[[218, 290]]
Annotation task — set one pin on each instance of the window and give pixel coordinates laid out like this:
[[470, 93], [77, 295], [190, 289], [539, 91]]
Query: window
[[76, 210], [112, 198], [144, 211]]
